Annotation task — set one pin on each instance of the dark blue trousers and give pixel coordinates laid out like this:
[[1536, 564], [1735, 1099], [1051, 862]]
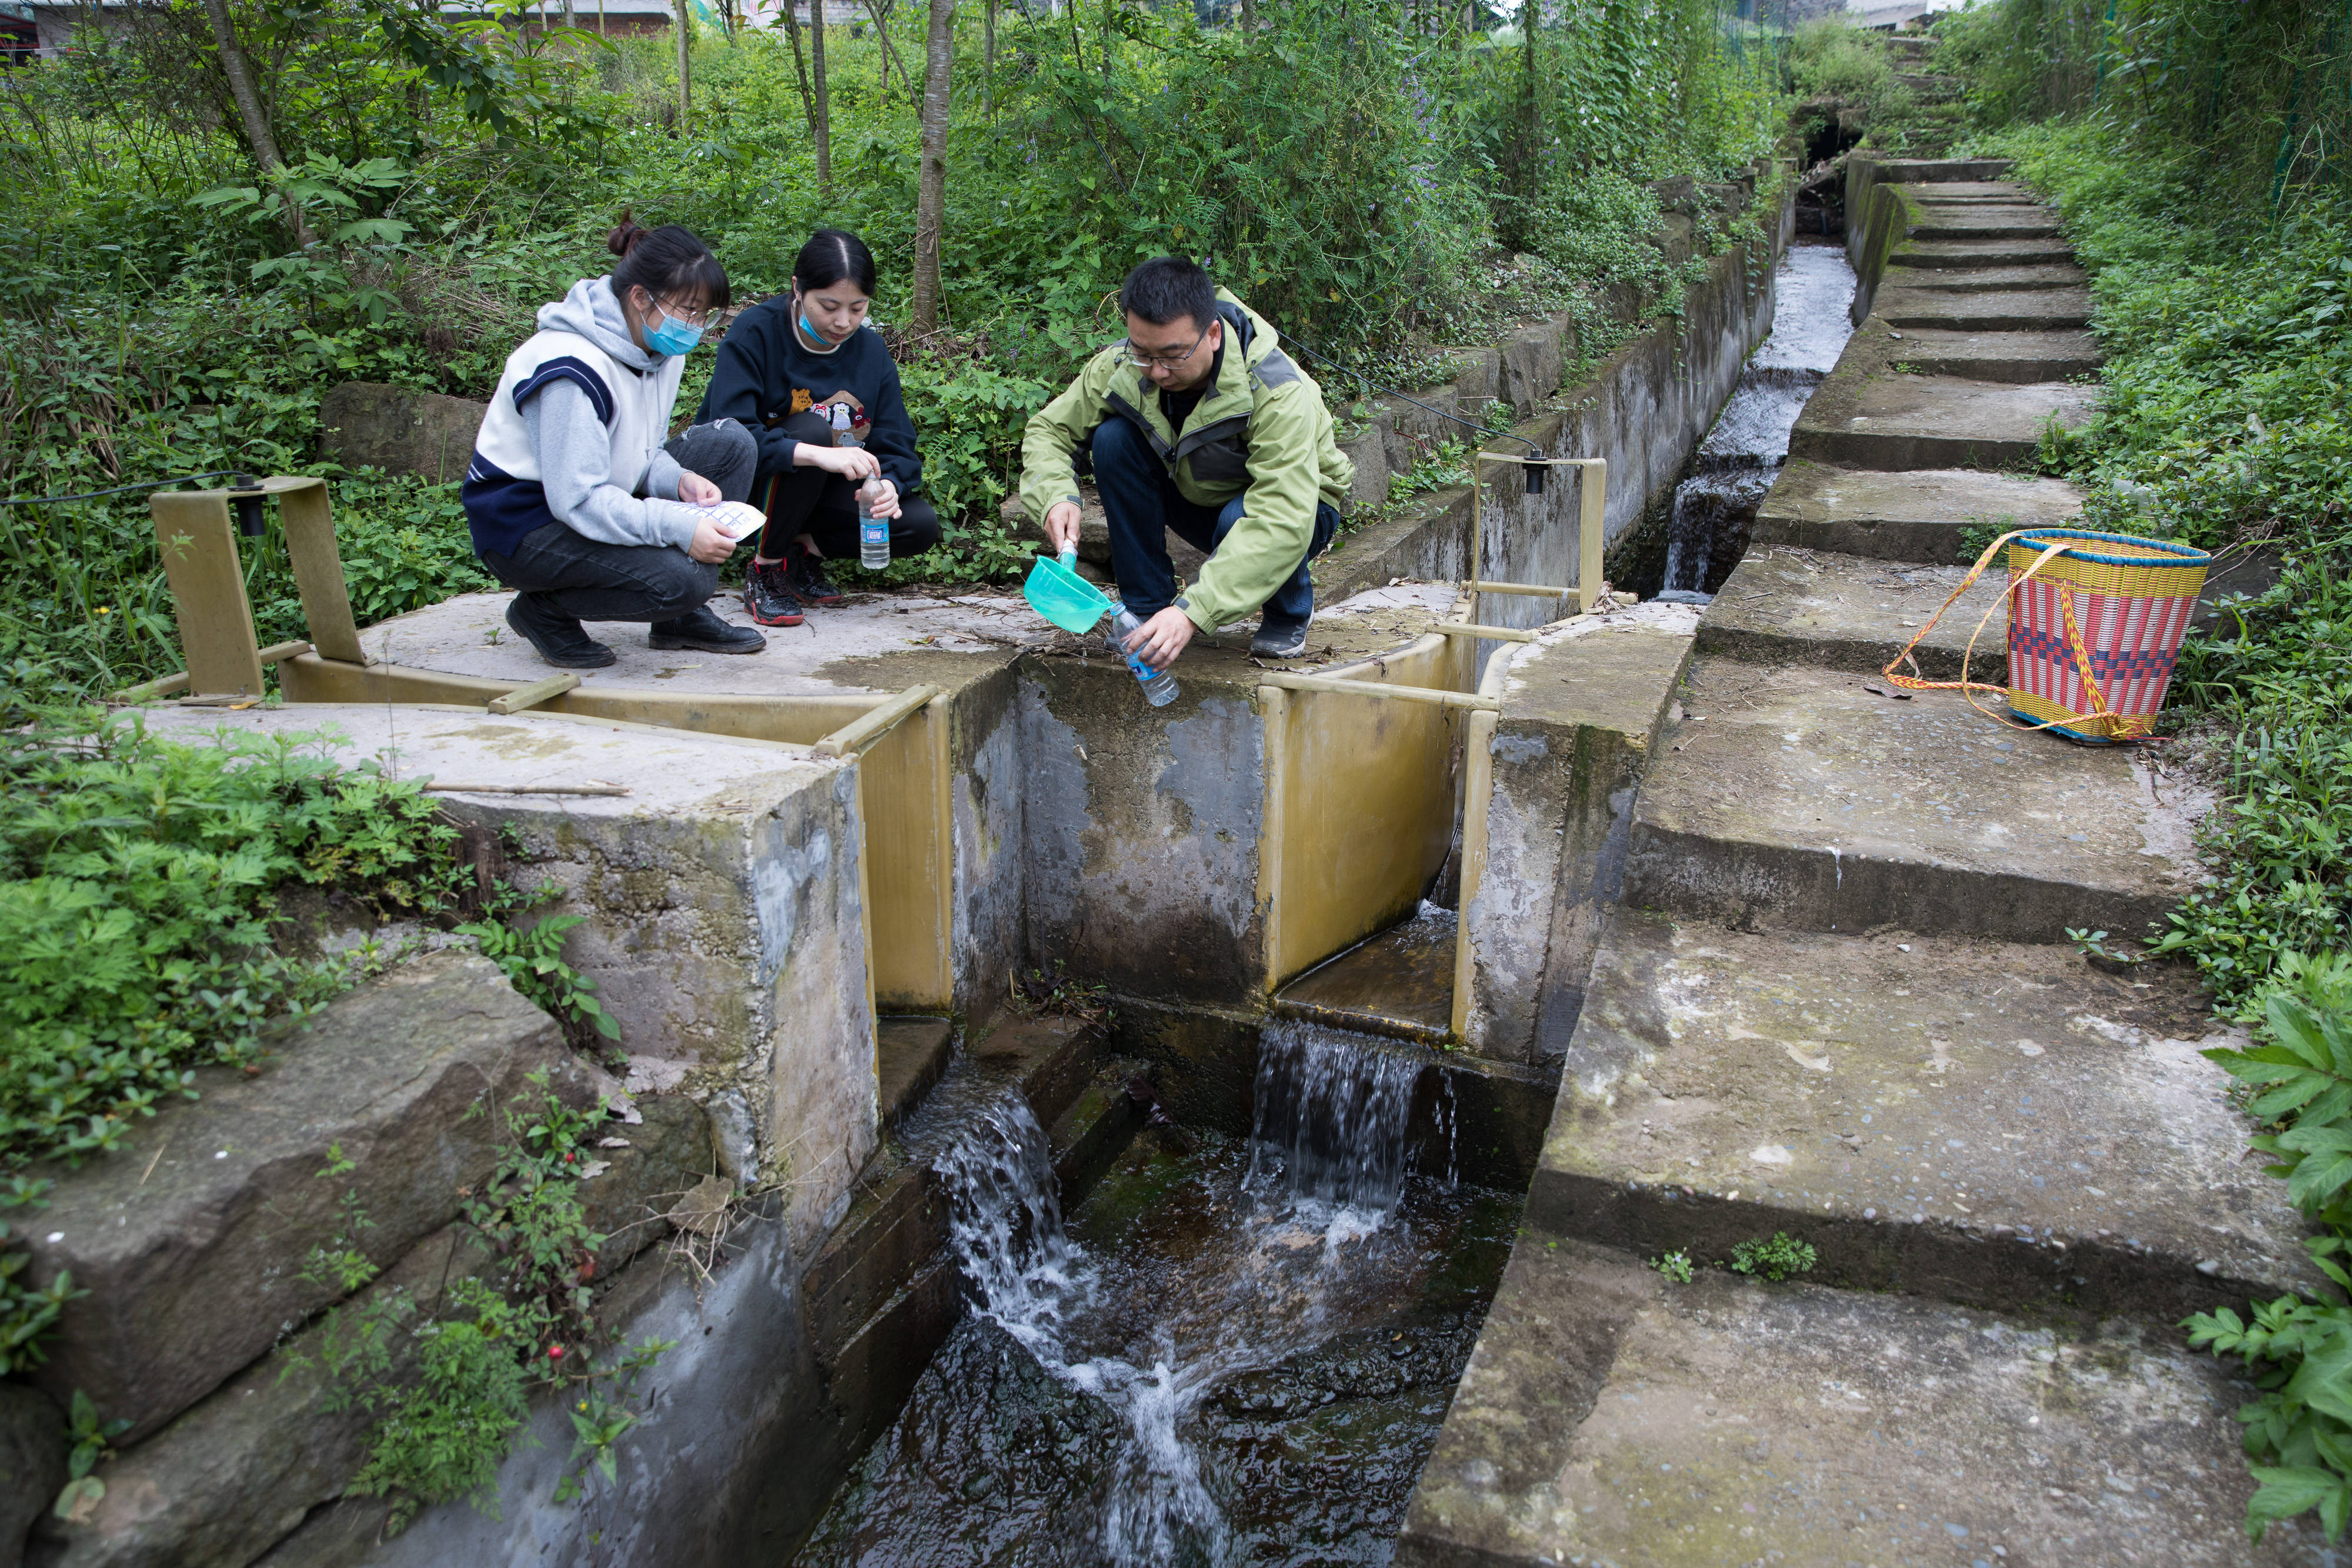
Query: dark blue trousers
[[1141, 504]]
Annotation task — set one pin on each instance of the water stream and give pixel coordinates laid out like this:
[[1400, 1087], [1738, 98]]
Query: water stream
[[1234, 1351], [1706, 532]]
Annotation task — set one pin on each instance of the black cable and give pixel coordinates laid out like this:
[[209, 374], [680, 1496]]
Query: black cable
[[120, 489], [1391, 392]]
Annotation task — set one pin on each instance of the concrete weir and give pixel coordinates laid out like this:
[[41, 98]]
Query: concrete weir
[[1834, 1002]]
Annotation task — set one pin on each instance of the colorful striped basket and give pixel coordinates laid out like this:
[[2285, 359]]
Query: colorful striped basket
[[2095, 629]]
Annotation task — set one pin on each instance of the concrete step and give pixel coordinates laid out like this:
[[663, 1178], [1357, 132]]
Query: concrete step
[[1898, 422], [1950, 191], [2024, 310], [1987, 252], [1940, 170], [1986, 1122], [1610, 1416], [910, 1056], [1985, 279], [1801, 801], [1788, 606], [1916, 516], [2019, 358], [1973, 221]]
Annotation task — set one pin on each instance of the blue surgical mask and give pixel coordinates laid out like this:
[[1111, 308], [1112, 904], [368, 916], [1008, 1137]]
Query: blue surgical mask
[[817, 337], [672, 337]]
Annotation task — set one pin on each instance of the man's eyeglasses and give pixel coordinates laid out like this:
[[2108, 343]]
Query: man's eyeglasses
[[1168, 361]]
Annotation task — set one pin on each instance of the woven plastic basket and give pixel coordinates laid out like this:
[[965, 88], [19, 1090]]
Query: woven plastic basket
[[2094, 628], [2094, 634]]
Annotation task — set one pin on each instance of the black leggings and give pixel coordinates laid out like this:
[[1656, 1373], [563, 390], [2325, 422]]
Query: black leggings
[[824, 506]]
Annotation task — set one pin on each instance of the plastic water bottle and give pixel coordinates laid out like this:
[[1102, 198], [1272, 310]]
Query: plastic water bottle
[[1159, 685], [873, 532]]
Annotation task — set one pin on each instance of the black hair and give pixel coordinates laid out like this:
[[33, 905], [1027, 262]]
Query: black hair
[[668, 262], [830, 257], [1166, 289]]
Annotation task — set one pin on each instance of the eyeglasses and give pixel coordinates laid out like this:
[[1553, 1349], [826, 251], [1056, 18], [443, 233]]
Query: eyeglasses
[[684, 317], [1168, 361]]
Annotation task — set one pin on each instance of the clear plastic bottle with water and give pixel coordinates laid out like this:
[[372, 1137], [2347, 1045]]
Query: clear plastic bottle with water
[[873, 532], [1159, 685]]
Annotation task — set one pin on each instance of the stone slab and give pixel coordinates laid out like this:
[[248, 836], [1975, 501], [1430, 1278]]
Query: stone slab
[[1945, 224], [368, 425], [1986, 1123], [1915, 515], [1970, 191], [2020, 358], [871, 644], [1898, 422], [1801, 801], [1788, 606], [192, 1239], [1610, 1418], [2023, 310], [1986, 280], [1944, 254]]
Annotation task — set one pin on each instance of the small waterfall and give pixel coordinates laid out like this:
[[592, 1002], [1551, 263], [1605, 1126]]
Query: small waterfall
[[1332, 1112], [1706, 531], [1326, 1165]]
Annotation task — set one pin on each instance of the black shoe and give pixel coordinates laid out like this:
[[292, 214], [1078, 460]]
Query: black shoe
[[768, 595], [1279, 639], [809, 583], [558, 637], [705, 633]]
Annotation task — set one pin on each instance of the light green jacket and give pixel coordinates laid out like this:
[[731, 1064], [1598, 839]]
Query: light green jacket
[[1262, 430]]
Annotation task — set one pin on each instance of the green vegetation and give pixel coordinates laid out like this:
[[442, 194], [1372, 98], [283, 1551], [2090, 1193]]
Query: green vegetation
[[2196, 150], [1775, 1259], [1675, 1266], [489, 1340], [187, 278]]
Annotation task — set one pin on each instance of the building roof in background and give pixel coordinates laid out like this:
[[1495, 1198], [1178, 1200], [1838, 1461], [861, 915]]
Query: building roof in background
[[1894, 16]]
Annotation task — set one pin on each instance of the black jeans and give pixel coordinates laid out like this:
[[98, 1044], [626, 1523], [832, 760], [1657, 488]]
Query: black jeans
[[586, 580], [824, 506], [1141, 504]]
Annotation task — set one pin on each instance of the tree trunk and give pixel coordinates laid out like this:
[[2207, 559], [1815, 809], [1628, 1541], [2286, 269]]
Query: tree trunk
[[931, 191], [241, 88], [800, 66], [685, 78], [824, 101]]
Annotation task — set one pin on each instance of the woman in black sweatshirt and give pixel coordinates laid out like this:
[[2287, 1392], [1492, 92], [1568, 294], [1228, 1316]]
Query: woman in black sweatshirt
[[785, 365]]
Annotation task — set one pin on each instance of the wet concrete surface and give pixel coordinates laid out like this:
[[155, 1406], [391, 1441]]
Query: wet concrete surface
[[1785, 605], [1399, 983], [1899, 422], [1913, 516]]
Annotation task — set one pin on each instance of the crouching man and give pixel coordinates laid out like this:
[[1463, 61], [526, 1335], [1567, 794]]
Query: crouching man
[[1201, 424]]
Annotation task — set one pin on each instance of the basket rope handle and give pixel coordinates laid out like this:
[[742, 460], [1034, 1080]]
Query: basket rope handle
[[1969, 688]]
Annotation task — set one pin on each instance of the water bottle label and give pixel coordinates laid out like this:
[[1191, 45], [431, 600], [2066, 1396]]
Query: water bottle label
[[1143, 671]]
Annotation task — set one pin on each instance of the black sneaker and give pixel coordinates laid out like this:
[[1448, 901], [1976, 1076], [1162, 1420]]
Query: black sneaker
[[1279, 639], [768, 595], [809, 585], [558, 637], [704, 633]]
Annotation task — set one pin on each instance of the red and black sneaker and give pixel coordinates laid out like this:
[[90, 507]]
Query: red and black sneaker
[[808, 582], [768, 595]]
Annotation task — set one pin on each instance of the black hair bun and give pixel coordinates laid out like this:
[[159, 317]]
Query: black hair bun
[[625, 235]]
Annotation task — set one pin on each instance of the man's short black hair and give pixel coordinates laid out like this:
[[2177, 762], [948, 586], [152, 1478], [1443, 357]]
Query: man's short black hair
[[1168, 288]]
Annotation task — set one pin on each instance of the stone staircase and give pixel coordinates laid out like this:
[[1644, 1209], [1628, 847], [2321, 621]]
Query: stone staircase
[[1836, 1001]]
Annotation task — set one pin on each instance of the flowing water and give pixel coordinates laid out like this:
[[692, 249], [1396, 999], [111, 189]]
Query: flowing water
[[1707, 531], [1234, 1351]]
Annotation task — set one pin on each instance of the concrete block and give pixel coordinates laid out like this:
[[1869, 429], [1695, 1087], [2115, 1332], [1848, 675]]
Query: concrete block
[[1899, 422], [1581, 707], [1915, 515], [193, 1238], [2021, 357], [371, 425], [1611, 1416], [1954, 310], [1990, 1124], [1950, 223], [1944, 255], [722, 904], [1785, 606], [1985, 279], [1793, 799], [1369, 451]]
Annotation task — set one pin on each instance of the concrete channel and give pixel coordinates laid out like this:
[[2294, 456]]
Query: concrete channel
[[1674, 929]]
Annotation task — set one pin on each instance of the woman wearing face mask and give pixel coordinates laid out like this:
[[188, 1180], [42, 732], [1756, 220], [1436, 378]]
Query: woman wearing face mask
[[574, 497], [788, 364]]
